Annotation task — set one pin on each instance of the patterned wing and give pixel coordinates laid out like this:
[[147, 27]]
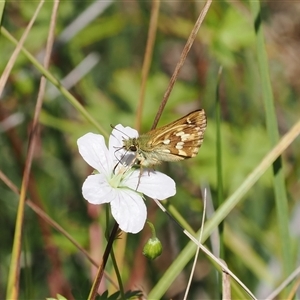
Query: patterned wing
[[181, 139]]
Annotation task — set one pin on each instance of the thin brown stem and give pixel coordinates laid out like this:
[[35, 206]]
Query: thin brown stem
[[147, 60], [181, 61], [14, 274], [99, 276]]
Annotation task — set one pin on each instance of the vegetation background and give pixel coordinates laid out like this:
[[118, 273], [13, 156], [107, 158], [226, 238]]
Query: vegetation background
[[98, 55]]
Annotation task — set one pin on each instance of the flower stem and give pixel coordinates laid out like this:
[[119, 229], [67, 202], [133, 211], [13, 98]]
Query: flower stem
[[113, 258], [96, 283], [152, 229]]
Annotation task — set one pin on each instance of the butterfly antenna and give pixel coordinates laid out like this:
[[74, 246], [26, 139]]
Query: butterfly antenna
[[118, 159], [114, 127]]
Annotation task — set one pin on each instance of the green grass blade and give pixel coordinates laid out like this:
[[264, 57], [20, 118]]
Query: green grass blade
[[272, 128]]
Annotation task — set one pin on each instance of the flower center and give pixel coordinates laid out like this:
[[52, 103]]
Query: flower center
[[116, 179]]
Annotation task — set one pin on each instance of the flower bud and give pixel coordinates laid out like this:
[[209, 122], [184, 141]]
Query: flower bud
[[153, 248]]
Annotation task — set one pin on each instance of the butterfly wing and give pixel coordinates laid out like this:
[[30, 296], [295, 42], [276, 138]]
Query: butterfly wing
[[178, 140]]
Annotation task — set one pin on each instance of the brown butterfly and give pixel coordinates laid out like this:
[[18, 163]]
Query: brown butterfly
[[176, 141]]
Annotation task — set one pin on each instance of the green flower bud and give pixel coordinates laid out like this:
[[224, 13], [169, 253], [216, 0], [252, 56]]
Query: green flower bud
[[153, 248]]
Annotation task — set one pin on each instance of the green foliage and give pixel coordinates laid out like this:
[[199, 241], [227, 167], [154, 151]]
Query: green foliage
[[129, 295]]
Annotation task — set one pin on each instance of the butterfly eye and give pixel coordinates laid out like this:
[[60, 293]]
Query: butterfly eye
[[133, 148]]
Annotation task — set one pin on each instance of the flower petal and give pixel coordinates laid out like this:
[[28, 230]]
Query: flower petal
[[129, 210], [94, 151], [97, 190], [152, 183], [116, 138]]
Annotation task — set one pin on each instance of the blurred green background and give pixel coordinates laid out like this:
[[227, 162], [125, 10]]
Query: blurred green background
[[103, 45]]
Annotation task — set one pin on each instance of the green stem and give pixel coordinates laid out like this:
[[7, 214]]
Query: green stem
[[152, 229], [74, 102], [113, 258]]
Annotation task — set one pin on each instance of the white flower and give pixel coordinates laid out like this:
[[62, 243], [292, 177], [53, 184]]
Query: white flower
[[120, 185]]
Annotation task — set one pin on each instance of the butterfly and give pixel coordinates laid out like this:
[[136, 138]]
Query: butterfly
[[176, 141]]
